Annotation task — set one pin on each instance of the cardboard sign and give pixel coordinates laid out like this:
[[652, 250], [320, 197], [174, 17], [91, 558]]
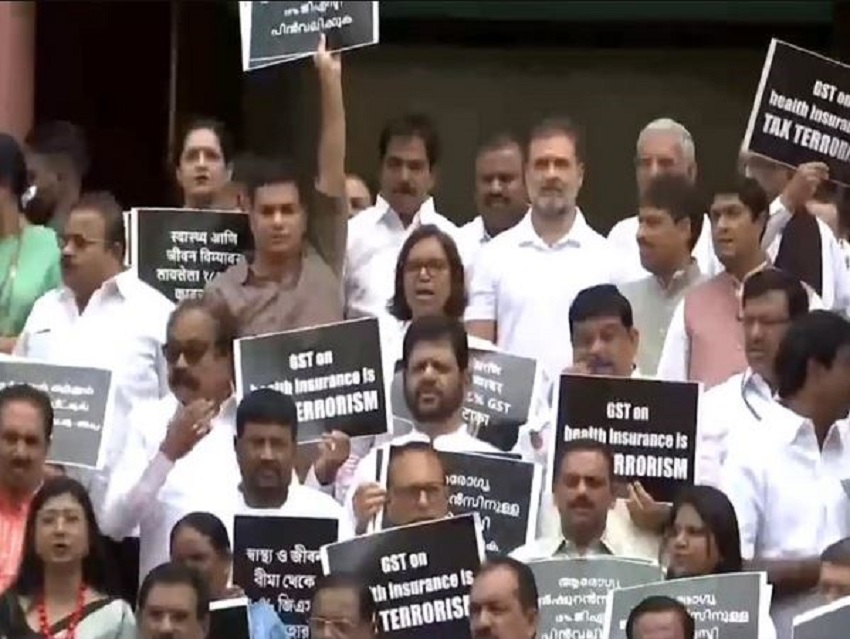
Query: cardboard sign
[[279, 32], [801, 112], [574, 592], [276, 560], [179, 251], [334, 372], [727, 606], [824, 622], [82, 402], [420, 582], [650, 427], [229, 619]]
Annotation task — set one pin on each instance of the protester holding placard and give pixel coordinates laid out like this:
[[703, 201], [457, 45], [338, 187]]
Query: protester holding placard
[[770, 301], [435, 358], [293, 278], [584, 496], [416, 487], [503, 602], [409, 148], [200, 541], [768, 478], [26, 424], [29, 257], [186, 435], [266, 448]]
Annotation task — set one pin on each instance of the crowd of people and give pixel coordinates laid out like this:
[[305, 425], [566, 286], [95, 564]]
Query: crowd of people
[[746, 292]]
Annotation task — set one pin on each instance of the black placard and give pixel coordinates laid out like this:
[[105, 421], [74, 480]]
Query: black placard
[[279, 32], [179, 251], [801, 112], [334, 373], [419, 581], [276, 560], [81, 402], [504, 492], [824, 622], [650, 427], [499, 402], [229, 619], [727, 606]]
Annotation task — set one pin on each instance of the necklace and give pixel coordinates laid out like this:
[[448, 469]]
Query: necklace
[[44, 624]]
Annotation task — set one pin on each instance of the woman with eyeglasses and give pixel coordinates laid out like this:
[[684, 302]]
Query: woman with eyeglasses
[[702, 538], [62, 588], [200, 541], [29, 254]]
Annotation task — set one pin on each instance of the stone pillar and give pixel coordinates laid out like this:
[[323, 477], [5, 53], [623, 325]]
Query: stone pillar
[[17, 67]]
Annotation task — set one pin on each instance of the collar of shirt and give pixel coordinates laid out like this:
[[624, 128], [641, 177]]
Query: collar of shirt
[[796, 430], [122, 284], [681, 279], [752, 382], [560, 545], [575, 237], [424, 215], [481, 234], [739, 284], [461, 432]]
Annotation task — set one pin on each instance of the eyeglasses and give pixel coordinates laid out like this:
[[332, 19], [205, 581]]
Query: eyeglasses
[[412, 493], [432, 267], [192, 351], [335, 626], [79, 242]]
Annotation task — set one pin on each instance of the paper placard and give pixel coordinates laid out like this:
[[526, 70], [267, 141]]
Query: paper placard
[[334, 372], [650, 427], [82, 400], [801, 111]]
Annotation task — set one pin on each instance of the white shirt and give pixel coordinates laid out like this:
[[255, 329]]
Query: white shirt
[[623, 240], [375, 237], [835, 276], [460, 441], [786, 492], [122, 329], [149, 490], [527, 288], [738, 405], [471, 237]]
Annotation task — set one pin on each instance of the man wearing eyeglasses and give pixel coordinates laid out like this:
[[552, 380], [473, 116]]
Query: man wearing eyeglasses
[[416, 486], [342, 608], [102, 316], [770, 301], [179, 453]]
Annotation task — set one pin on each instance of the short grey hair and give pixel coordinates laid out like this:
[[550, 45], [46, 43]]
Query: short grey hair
[[668, 125]]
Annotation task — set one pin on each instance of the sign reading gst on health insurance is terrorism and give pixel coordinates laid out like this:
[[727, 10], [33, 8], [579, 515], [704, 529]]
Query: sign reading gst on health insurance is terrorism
[[179, 251], [278, 32], [419, 575], [650, 427], [81, 399], [334, 372], [801, 111]]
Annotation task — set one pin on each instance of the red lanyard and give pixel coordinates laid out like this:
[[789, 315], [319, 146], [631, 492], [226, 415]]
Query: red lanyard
[[44, 625]]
